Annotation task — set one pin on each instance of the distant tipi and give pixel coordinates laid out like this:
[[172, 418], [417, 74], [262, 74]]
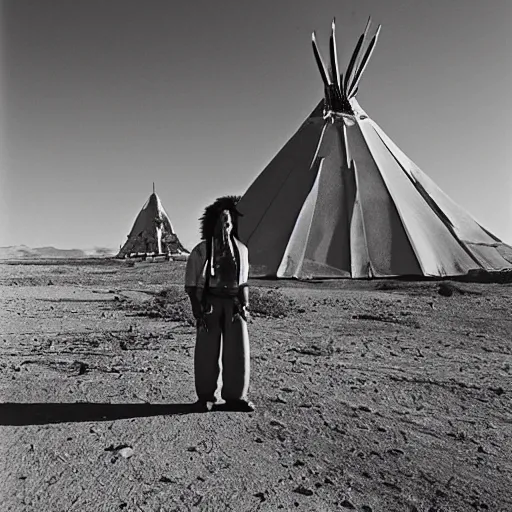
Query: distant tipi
[[152, 232], [341, 200]]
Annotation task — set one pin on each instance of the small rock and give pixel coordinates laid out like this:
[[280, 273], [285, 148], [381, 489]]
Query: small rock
[[347, 504], [126, 452], [260, 495], [303, 490]]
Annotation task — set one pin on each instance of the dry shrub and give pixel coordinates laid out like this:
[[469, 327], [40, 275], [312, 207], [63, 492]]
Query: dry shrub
[[270, 303], [170, 304], [173, 304]]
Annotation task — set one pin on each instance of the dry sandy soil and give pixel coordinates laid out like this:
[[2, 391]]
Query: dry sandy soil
[[371, 396]]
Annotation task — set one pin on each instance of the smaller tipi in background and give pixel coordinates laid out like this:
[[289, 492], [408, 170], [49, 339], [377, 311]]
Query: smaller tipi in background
[[152, 233]]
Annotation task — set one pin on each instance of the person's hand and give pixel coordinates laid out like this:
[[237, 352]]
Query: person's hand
[[201, 323], [244, 313]]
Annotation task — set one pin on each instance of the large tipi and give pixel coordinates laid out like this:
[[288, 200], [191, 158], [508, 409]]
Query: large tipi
[[152, 232], [341, 200]]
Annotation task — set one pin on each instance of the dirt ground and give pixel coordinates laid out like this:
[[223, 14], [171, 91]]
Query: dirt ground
[[375, 396]]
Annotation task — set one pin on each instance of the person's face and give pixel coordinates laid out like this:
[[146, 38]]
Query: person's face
[[225, 222]]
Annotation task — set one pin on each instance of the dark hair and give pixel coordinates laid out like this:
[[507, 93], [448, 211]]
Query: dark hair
[[212, 212]]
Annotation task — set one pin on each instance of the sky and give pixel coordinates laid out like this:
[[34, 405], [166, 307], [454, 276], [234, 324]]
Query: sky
[[99, 99]]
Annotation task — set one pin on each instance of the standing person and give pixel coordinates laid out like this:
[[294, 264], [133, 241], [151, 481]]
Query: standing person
[[216, 283]]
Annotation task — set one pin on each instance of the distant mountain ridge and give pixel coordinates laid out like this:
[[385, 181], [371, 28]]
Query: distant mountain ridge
[[20, 252]]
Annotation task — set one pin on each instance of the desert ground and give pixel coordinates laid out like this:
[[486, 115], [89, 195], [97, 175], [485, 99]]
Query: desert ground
[[383, 396]]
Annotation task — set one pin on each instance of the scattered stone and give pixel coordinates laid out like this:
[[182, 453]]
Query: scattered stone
[[258, 440], [82, 369], [112, 448], [303, 490], [298, 462], [126, 452], [261, 496], [166, 480]]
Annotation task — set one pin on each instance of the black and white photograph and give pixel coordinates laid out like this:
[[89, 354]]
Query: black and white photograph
[[255, 256]]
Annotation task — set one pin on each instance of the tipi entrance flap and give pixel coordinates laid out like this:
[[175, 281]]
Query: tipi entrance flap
[[389, 249], [328, 244]]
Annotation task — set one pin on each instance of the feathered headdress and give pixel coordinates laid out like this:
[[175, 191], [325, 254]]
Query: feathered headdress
[[212, 212]]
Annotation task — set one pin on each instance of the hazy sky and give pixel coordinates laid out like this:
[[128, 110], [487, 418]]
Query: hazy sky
[[99, 98]]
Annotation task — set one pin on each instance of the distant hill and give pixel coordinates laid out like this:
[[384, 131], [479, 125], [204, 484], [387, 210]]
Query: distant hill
[[20, 252]]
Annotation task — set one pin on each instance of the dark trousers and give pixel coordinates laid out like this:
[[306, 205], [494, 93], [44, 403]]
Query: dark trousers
[[227, 334]]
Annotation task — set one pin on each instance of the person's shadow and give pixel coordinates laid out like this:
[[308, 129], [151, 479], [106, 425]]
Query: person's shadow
[[45, 413]]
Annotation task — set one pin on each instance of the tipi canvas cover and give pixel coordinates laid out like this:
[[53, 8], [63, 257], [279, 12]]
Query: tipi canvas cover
[[341, 200], [152, 232]]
